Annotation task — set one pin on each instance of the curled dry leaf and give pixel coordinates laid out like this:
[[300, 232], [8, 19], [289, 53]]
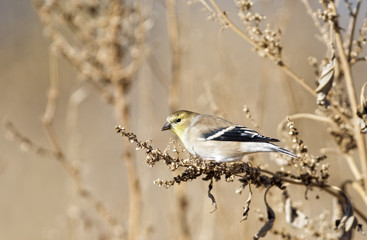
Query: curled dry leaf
[[271, 218], [325, 83], [348, 220], [211, 196], [246, 207]]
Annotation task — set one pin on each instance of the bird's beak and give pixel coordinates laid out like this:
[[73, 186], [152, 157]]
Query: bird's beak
[[166, 126]]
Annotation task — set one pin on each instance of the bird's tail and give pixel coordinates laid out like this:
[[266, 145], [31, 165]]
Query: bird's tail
[[283, 151]]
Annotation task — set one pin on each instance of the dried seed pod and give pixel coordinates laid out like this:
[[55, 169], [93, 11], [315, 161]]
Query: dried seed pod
[[325, 83]]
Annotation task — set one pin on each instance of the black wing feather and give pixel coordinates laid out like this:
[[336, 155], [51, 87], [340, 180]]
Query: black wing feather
[[237, 134]]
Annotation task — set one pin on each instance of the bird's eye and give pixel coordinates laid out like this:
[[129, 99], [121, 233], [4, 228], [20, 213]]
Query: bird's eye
[[178, 120]]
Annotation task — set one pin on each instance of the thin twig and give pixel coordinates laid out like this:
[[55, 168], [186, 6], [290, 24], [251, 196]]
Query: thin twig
[[352, 27], [52, 95], [25, 143], [310, 116], [359, 189], [302, 116], [353, 167]]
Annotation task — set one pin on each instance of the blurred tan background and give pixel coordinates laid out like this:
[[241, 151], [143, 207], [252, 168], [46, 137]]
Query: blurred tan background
[[220, 74]]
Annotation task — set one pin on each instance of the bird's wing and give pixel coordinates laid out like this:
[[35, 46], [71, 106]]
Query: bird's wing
[[236, 133]]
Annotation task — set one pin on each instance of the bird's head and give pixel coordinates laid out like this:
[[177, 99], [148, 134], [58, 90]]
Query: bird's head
[[179, 121]]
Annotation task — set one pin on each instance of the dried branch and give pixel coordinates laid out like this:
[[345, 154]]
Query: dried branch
[[246, 174]]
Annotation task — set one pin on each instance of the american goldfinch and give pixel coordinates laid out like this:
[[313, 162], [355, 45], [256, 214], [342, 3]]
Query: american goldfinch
[[214, 138]]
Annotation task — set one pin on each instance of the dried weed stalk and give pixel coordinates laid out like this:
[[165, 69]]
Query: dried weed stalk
[[309, 172], [105, 42]]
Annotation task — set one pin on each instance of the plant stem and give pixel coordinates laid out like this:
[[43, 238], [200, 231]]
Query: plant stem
[[359, 137]]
